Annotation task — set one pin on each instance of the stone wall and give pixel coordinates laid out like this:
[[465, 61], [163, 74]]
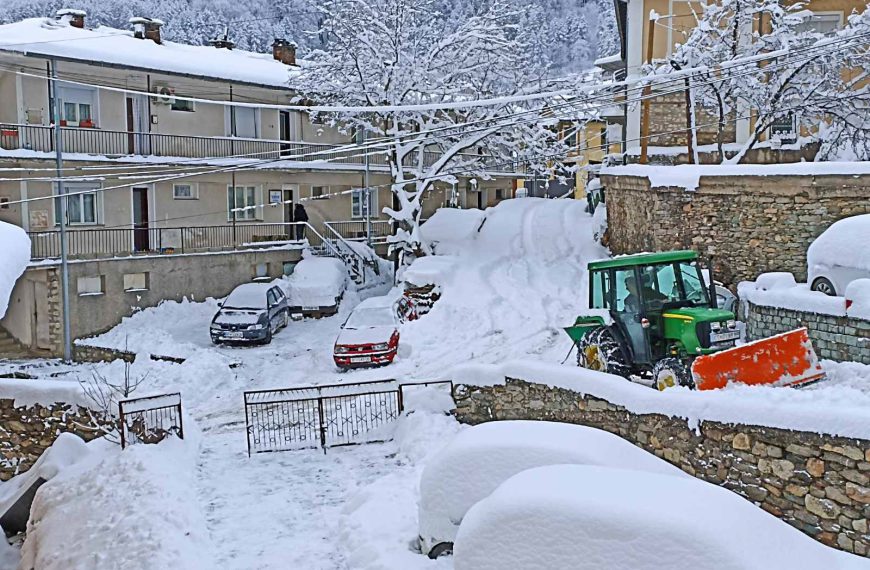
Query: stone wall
[[27, 431], [834, 338], [753, 224], [817, 483], [668, 119]]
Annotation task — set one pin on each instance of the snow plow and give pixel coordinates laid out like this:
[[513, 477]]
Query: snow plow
[[653, 314]]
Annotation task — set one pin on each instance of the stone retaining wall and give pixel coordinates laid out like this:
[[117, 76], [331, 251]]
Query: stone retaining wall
[[753, 224], [817, 483], [834, 338], [27, 431]]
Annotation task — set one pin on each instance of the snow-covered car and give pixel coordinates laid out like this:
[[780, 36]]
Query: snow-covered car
[[370, 335], [253, 312], [581, 517], [315, 287], [482, 457], [837, 257]]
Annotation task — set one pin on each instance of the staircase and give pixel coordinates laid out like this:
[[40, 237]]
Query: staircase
[[358, 266], [10, 348]]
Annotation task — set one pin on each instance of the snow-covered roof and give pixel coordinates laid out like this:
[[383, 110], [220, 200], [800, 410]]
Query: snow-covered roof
[[47, 37]]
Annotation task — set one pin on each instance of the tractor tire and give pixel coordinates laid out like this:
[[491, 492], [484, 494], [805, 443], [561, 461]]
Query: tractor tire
[[598, 350], [670, 372]]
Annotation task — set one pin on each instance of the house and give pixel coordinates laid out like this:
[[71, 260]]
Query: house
[[666, 120], [157, 162]]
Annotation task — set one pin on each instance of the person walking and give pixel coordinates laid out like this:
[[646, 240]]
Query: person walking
[[299, 217]]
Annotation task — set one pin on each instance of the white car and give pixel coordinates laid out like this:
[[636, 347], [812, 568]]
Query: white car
[[482, 457], [840, 256], [582, 517]]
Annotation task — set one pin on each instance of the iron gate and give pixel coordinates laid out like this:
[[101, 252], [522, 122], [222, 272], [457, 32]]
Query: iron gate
[[323, 416], [151, 419]]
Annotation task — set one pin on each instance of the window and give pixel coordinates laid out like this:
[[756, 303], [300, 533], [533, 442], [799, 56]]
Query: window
[[82, 207], [261, 270], [821, 22], [319, 191], [182, 105], [245, 122], [4, 203], [499, 194], [135, 282], [358, 203], [94, 285], [600, 289], [78, 106], [184, 192], [244, 201]]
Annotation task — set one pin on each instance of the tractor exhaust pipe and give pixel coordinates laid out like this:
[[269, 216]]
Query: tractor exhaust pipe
[[713, 303]]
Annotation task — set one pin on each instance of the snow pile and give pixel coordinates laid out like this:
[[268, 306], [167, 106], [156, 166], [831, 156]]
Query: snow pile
[[130, 509], [688, 176], [507, 290], [775, 280], [316, 282], [841, 244], [579, 517], [858, 299], [449, 227], [14, 257], [28, 392], [827, 407], [66, 450], [9, 556], [482, 457]]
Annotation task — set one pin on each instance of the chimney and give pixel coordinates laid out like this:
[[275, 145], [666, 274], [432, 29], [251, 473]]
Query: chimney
[[284, 51], [147, 28], [75, 18], [224, 42]]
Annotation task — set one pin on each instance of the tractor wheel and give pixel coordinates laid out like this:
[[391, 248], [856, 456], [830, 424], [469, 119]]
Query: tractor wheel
[[599, 351], [670, 372]]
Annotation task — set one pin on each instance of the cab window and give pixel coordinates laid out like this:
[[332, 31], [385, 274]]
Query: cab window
[[600, 288], [696, 289]]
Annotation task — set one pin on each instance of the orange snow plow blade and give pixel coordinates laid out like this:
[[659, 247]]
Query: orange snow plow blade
[[787, 359]]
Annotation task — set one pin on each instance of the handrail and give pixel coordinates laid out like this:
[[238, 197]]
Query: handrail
[[353, 251], [360, 272]]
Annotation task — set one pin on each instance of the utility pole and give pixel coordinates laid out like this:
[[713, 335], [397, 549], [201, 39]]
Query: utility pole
[[361, 138], [647, 92], [64, 266]]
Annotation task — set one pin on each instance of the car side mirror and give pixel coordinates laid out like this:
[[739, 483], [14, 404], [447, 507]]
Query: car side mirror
[[220, 305]]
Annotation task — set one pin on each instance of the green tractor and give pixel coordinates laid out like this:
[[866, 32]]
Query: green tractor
[[651, 314]]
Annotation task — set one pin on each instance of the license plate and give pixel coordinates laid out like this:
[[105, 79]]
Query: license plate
[[310, 308], [361, 359], [234, 335], [722, 337]]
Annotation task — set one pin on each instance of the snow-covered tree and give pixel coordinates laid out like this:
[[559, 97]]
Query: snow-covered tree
[[392, 54], [781, 70]]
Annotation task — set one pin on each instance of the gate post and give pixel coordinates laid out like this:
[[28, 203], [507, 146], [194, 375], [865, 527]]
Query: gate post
[[322, 424]]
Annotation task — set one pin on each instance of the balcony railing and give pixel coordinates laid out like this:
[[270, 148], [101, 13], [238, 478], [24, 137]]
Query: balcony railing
[[356, 230], [103, 142], [119, 242]]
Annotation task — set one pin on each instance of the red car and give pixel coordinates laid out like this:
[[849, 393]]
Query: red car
[[370, 336]]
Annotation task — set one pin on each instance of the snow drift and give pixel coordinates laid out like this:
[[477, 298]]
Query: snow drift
[[570, 517], [14, 257], [481, 458]]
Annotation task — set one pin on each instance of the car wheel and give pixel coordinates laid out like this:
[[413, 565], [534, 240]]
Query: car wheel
[[441, 549], [599, 351], [268, 338], [823, 285], [670, 372]]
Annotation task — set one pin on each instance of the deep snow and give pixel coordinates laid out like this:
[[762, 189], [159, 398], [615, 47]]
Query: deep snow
[[14, 257]]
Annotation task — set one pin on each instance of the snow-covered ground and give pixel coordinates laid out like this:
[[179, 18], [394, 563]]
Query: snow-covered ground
[[510, 288]]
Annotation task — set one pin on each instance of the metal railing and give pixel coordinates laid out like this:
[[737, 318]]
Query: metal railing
[[324, 416], [357, 230], [98, 141], [150, 420], [115, 242]]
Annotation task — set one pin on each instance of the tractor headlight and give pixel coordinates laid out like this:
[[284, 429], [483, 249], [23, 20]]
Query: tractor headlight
[[732, 324], [715, 326]]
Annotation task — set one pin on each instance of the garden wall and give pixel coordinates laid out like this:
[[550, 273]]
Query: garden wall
[[752, 223], [820, 484]]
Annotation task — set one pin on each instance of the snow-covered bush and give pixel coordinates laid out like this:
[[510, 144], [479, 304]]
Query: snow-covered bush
[[582, 517], [480, 458], [14, 257], [858, 299]]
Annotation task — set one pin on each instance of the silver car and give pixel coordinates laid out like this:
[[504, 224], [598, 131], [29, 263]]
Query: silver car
[[839, 256]]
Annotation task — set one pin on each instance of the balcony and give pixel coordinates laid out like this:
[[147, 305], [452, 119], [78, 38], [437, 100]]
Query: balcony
[[119, 144]]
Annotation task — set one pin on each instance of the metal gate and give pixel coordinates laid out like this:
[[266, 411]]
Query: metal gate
[[151, 419], [323, 416]]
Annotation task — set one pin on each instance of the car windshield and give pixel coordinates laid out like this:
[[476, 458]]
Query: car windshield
[[246, 298], [365, 318]]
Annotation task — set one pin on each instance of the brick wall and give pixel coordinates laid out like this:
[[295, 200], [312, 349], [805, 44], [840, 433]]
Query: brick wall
[[753, 224], [668, 116], [817, 483], [834, 338]]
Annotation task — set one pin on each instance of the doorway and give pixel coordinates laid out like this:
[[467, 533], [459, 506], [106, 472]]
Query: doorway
[[285, 129], [137, 123], [140, 220]]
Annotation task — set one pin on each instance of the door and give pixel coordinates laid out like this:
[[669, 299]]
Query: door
[[137, 125], [630, 312], [288, 213], [140, 220], [131, 126], [285, 130]]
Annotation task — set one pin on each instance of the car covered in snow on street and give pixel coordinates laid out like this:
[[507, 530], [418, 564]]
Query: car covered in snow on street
[[370, 335], [840, 256], [583, 517], [252, 312], [482, 457]]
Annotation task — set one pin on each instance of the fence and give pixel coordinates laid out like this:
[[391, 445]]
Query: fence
[[150, 420], [324, 416], [103, 242], [357, 230]]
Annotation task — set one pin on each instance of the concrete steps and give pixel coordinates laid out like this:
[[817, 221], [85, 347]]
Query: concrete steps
[[10, 348]]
